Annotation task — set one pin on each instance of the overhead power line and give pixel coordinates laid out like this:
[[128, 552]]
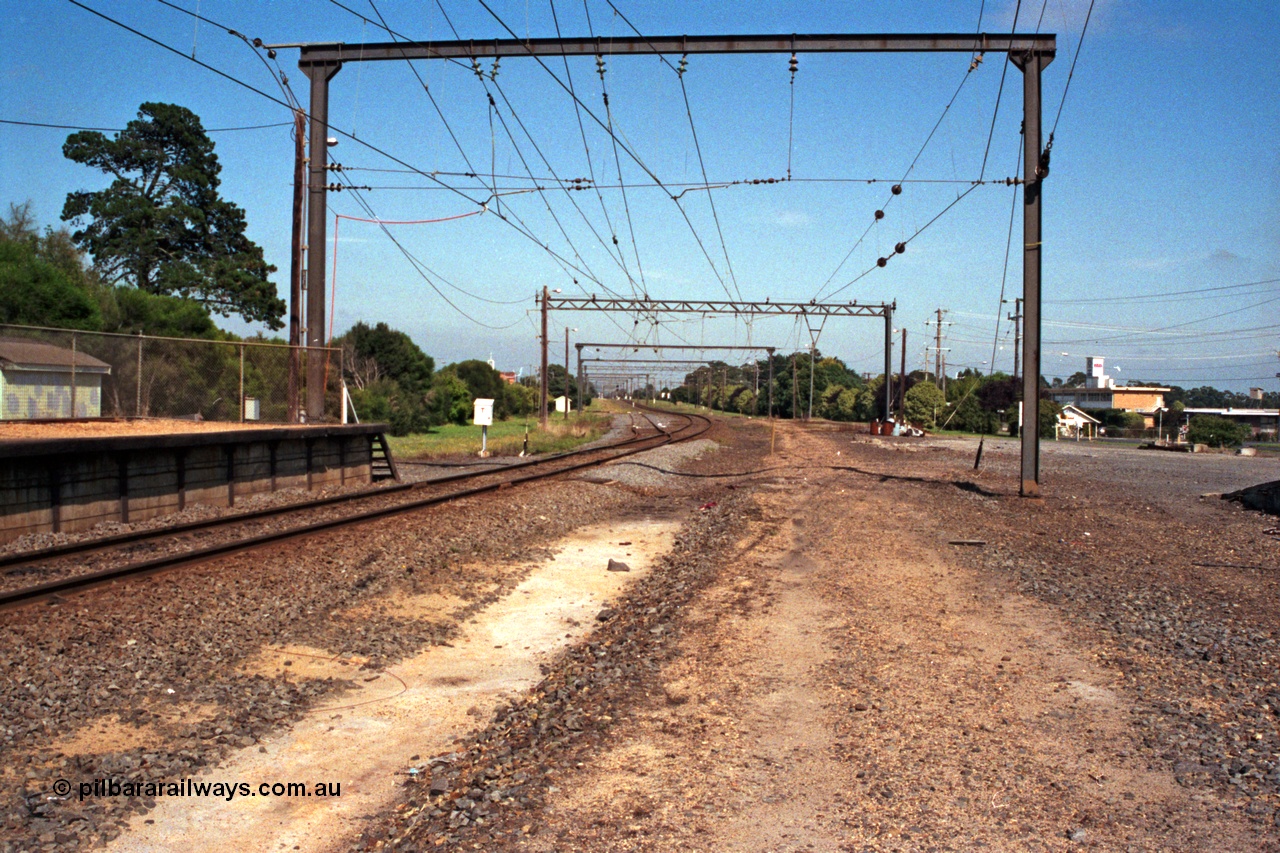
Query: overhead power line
[[122, 130]]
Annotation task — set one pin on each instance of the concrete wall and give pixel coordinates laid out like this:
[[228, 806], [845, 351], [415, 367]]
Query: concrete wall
[[121, 482]]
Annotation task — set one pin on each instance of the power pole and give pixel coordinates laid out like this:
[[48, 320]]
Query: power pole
[[1016, 317], [795, 396], [812, 351], [295, 260], [542, 381], [902, 377], [937, 349], [566, 373]]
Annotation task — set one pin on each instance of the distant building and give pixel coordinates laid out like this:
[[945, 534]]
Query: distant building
[[1101, 392], [563, 402], [1077, 424], [1262, 421], [36, 381], [509, 377]]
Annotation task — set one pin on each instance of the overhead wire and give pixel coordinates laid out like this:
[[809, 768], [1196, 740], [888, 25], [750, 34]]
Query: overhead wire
[[680, 72], [591, 171], [608, 129], [420, 268], [564, 263], [582, 267], [974, 63], [122, 130], [1070, 74], [1004, 71]]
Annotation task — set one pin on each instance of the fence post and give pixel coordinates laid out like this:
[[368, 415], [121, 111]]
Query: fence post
[[73, 374], [242, 383], [137, 402]]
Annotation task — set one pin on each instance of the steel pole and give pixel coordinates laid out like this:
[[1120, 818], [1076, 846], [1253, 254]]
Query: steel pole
[[317, 210], [295, 260], [566, 373], [812, 352], [902, 378], [770, 384], [888, 362], [580, 379], [543, 385], [1031, 63]]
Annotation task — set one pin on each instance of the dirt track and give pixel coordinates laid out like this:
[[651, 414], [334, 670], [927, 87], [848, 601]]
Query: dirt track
[[848, 680], [811, 664]]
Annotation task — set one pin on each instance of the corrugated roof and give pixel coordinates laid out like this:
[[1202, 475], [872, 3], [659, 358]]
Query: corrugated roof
[[27, 353]]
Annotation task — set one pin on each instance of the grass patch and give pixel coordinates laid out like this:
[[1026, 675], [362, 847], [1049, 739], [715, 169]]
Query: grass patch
[[506, 438]]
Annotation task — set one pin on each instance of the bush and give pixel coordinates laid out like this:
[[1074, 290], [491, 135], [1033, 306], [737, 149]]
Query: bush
[[1217, 432], [924, 403], [449, 400], [1049, 418]]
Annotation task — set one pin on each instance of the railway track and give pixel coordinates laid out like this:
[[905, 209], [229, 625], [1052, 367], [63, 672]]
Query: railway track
[[248, 531]]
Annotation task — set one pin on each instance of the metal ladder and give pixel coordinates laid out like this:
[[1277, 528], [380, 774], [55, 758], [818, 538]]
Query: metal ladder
[[381, 465]]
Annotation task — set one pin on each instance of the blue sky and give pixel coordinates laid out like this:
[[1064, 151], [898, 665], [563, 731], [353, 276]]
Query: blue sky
[[1165, 175]]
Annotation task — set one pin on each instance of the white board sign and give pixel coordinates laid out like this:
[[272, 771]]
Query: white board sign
[[484, 412]]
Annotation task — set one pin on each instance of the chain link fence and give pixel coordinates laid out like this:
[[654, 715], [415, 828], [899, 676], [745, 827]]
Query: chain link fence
[[58, 373]]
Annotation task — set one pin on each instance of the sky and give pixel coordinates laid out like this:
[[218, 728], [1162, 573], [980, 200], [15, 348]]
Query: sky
[[1161, 213]]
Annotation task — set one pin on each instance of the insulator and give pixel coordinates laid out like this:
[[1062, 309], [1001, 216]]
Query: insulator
[[600, 65], [271, 54], [900, 248], [897, 189], [493, 75], [879, 214], [684, 65], [881, 262]]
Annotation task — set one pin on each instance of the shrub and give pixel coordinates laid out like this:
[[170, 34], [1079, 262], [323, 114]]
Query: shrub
[[1049, 418], [1217, 432], [924, 403]]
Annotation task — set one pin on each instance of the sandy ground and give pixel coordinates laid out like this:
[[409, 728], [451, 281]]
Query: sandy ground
[[850, 685], [116, 428], [368, 739]]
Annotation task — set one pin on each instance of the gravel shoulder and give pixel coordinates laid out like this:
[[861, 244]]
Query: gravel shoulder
[[813, 665], [844, 678]]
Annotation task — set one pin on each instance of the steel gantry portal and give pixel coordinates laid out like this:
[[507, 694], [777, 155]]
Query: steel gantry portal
[[765, 308], [635, 347], [1030, 53]]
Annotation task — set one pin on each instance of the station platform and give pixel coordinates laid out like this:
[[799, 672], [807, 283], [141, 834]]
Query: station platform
[[69, 476]]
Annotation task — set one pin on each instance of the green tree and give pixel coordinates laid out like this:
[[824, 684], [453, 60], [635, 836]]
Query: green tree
[[1217, 432], [1049, 418], [449, 400], [161, 225], [381, 352], [483, 382], [42, 277], [34, 292], [924, 404]]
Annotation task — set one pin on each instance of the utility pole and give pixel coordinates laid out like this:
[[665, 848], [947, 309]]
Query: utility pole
[[812, 351], [902, 377], [566, 373], [795, 396], [937, 349], [542, 379], [581, 379], [317, 213], [1016, 317], [295, 260]]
